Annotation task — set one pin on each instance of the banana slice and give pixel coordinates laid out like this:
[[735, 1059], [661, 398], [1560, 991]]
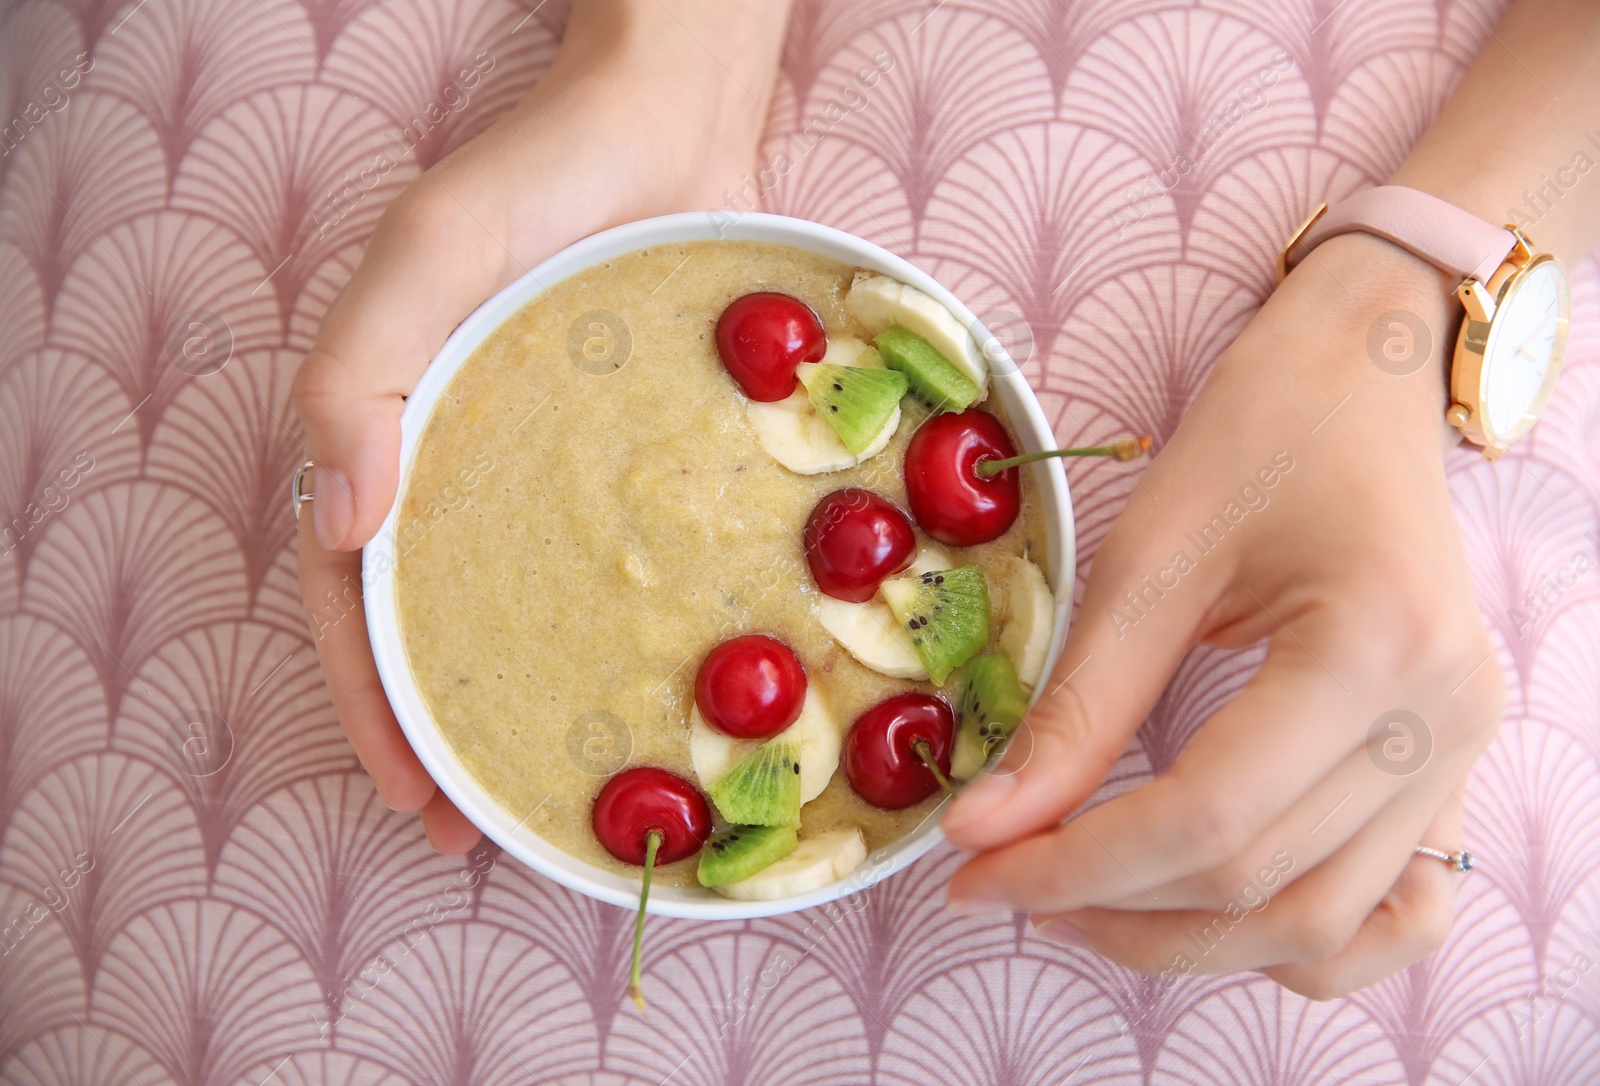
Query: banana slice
[[815, 731], [874, 300], [878, 301], [850, 351], [802, 441], [1026, 617], [818, 862], [870, 632]]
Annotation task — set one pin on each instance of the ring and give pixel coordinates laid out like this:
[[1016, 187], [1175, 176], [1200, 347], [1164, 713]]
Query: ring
[[1462, 861], [297, 488]]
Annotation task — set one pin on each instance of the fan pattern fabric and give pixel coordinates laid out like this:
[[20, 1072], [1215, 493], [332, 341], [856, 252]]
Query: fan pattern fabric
[[1105, 180]]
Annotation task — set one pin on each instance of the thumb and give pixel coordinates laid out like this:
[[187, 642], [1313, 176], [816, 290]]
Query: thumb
[[349, 392], [430, 262], [1138, 618]]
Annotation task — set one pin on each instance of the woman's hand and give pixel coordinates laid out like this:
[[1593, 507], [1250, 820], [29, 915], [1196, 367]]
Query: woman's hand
[[643, 112], [1282, 838], [1302, 500]]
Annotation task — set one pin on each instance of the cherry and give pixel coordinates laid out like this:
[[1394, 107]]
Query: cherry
[[645, 816], [751, 687], [950, 499], [762, 338], [961, 479], [644, 800], [853, 540], [898, 753]]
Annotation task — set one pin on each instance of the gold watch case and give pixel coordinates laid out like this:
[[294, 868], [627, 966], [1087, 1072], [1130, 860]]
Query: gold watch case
[[1483, 302]]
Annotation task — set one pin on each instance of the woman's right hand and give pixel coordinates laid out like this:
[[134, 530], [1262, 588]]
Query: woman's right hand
[[642, 113]]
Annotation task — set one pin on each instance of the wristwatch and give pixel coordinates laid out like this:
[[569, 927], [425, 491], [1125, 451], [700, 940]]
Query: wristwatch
[[1517, 301]]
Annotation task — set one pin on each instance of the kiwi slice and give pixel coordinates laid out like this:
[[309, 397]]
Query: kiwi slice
[[934, 378], [946, 612], [857, 402], [740, 851], [991, 705], [762, 788]]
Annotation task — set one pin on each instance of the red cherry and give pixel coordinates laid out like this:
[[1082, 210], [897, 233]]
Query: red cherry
[[763, 337], [853, 540], [642, 800], [880, 756], [646, 816], [751, 687], [952, 502]]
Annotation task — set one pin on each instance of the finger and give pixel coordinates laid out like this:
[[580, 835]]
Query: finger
[[1412, 921], [447, 828], [1127, 638], [1312, 829], [330, 587], [1241, 774], [1336, 807], [1315, 918], [430, 262]]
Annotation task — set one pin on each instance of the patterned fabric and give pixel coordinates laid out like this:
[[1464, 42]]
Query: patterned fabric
[[184, 186]]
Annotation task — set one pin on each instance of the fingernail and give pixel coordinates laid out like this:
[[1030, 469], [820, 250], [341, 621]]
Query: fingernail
[[333, 507], [977, 907], [1064, 932], [978, 800]]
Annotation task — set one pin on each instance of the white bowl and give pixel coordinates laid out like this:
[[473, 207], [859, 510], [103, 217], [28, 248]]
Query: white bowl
[[378, 579]]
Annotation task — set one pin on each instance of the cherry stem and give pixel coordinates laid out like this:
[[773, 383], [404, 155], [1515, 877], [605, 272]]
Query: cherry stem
[[1126, 449], [925, 752], [635, 984]]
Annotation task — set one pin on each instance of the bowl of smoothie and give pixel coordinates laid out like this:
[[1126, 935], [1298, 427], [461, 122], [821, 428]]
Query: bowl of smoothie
[[708, 557]]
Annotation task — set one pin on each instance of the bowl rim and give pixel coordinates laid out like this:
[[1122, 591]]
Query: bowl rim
[[378, 562]]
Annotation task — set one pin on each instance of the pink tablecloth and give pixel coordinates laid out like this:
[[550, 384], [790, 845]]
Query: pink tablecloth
[[275, 922]]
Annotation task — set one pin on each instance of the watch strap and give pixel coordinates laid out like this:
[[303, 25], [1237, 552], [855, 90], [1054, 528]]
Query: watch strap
[[1435, 230]]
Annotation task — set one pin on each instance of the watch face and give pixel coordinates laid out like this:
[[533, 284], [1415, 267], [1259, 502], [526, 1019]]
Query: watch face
[[1523, 354]]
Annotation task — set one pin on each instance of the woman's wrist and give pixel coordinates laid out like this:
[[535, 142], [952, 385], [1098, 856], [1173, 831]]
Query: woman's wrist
[[1361, 325], [677, 97], [1357, 279], [731, 40]]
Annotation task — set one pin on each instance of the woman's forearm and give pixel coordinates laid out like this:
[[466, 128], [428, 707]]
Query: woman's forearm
[[1519, 139]]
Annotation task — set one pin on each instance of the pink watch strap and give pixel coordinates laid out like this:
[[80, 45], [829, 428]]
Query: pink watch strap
[[1434, 229]]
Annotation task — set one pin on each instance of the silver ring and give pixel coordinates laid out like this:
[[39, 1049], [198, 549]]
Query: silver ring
[[1462, 861], [298, 495]]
